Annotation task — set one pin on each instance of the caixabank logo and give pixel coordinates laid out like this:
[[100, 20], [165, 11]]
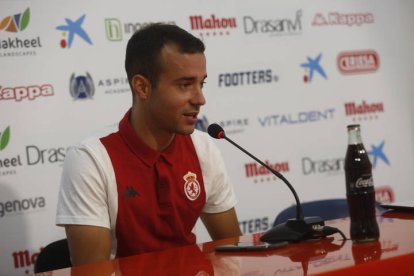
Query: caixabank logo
[[73, 29], [377, 155], [213, 25], [363, 111], [312, 67], [26, 92], [358, 62], [11, 42]]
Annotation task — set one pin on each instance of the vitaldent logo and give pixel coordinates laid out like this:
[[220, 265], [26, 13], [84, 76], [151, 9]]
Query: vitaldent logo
[[114, 85], [14, 46], [273, 27], [21, 93], [71, 30], [377, 154], [311, 66], [81, 87], [357, 62], [260, 174], [363, 111], [115, 30], [247, 77], [212, 26], [302, 117], [342, 19]]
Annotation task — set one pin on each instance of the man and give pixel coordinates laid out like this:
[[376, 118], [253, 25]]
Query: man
[[143, 187]]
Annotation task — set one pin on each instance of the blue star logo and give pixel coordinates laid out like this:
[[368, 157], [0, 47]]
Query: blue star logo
[[313, 65], [377, 153], [73, 28]]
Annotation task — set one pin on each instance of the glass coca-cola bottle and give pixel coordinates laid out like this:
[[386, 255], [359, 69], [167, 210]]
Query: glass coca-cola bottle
[[360, 189]]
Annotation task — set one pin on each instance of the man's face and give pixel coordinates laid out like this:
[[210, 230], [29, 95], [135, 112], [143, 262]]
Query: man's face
[[174, 104]]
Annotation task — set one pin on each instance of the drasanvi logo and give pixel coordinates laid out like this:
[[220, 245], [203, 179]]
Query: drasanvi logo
[[16, 23], [71, 30], [30, 93], [4, 138], [81, 87], [273, 26], [311, 66]]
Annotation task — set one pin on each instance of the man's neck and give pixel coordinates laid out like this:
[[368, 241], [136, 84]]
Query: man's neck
[[153, 138]]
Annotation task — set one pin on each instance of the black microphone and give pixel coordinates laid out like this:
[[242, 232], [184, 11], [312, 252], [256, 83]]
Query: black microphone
[[293, 230]]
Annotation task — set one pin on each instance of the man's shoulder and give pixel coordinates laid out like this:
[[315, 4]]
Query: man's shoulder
[[93, 141]]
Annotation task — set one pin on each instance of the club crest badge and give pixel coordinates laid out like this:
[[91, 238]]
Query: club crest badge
[[191, 186]]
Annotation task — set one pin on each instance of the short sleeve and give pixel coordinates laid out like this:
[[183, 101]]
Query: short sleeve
[[83, 190], [220, 194]]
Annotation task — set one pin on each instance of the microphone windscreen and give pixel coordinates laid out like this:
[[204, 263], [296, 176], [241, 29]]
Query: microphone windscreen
[[215, 131]]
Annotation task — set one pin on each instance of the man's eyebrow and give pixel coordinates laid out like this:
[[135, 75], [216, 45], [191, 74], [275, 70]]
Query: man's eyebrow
[[189, 78]]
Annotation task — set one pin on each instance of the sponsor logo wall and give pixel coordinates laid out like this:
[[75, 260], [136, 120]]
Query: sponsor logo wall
[[284, 81]]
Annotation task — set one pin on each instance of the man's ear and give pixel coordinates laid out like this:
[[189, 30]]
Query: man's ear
[[141, 87]]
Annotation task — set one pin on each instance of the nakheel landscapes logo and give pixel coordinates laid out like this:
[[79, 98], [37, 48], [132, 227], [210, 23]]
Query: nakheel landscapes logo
[[4, 138], [14, 46]]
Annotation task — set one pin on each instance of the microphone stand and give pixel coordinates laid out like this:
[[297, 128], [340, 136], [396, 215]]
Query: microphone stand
[[293, 230]]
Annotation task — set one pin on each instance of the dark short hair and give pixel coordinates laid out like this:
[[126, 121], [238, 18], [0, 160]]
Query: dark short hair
[[144, 48]]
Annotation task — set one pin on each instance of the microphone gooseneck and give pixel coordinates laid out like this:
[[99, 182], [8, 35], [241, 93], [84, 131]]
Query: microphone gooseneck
[[293, 230], [216, 131]]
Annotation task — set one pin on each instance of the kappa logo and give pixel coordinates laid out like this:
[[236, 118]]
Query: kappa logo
[[130, 192], [191, 186]]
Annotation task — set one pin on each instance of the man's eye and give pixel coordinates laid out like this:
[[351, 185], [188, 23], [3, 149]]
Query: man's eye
[[202, 84], [185, 85]]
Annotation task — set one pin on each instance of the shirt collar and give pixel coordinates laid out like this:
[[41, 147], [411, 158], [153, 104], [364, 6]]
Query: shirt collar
[[142, 150]]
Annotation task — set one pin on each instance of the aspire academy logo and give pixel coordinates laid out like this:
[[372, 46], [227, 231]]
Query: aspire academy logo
[[72, 29], [356, 62], [81, 87], [212, 26], [16, 23], [312, 66]]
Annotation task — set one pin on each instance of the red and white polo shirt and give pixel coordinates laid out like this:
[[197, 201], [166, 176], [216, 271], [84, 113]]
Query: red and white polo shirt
[[150, 200]]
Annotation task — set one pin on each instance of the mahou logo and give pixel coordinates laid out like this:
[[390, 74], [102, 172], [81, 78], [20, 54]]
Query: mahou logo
[[261, 174], [25, 259], [31, 92], [364, 110], [356, 62], [212, 26]]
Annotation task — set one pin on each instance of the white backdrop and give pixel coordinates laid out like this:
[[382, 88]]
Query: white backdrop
[[257, 89]]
